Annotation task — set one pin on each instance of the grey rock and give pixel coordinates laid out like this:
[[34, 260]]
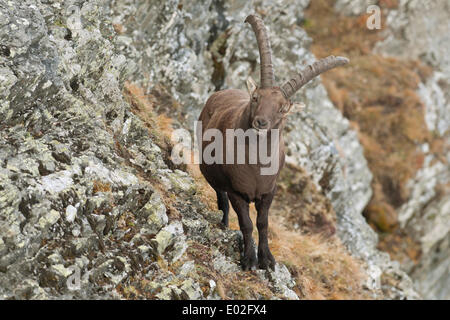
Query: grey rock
[[60, 270], [282, 281], [223, 264], [55, 258], [178, 249], [155, 213], [71, 213], [49, 219], [167, 236], [191, 290], [186, 268]]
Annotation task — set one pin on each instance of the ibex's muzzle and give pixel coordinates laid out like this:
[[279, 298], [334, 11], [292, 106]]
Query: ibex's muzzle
[[260, 123]]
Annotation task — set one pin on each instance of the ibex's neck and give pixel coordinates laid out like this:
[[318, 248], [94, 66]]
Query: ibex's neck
[[243, 121]]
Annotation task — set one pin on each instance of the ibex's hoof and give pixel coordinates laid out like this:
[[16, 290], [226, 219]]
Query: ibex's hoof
[[266, 260], [249, 262], [223, 225]]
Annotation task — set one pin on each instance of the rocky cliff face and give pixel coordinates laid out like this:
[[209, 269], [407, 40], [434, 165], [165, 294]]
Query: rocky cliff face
[[88, 192], [427, 212], [419, 30]]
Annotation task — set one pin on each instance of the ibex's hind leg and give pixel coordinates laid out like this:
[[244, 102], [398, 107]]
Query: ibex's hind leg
[[240, 205], [265, 257], [222, 203]]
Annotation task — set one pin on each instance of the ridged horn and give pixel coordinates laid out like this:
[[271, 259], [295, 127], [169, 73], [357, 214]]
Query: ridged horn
[[310, 72], [265, 52]]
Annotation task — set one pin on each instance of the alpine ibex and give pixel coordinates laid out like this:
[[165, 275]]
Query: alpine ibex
[[262, 109]]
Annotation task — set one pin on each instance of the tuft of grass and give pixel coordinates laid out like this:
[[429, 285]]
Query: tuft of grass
[[100, 186]]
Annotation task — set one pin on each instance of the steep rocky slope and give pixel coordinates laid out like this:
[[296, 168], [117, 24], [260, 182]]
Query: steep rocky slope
[[87, 186]]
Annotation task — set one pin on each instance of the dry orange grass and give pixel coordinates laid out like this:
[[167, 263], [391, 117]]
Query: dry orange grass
[[99, 186], [322, 267]]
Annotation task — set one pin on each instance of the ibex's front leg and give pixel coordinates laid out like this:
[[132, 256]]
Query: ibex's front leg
[[265, 258], [240, 205], [222, 203]]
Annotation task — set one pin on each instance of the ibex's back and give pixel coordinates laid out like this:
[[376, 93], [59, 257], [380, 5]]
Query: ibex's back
[[223, 108]]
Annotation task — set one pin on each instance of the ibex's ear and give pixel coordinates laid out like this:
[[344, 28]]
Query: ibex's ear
[[251, 85], [297, 107]]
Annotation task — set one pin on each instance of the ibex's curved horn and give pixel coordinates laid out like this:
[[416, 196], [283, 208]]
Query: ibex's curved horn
[[265, 52], [310, 72]]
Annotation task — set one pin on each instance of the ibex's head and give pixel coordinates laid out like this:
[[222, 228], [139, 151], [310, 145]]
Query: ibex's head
[[270, 104]]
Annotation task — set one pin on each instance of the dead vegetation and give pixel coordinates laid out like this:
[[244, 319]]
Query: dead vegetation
[[302, 206]]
